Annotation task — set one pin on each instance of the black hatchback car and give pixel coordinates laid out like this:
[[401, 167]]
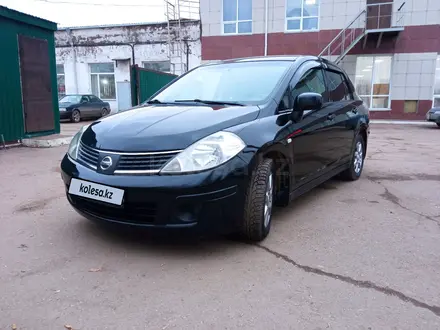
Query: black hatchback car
[[218, 147]]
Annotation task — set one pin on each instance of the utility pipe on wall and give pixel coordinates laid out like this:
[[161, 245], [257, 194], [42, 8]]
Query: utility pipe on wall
[[72, 47], [266, 10]]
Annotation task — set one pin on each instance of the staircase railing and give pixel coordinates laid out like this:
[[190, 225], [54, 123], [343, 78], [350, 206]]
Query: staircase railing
[[347, 38]]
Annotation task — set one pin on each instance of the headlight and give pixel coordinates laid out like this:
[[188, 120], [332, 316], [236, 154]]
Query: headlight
[[207, 153], [73, 147], [62, 109]]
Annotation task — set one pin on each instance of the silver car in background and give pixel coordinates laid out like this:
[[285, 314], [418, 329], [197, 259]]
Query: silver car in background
[[433, 115]]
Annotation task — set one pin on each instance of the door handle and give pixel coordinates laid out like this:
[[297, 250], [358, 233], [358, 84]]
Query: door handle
[[331, 116]]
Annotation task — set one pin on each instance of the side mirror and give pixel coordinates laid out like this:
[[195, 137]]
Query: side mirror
[[83, 101], [308, 101], [303, 102]]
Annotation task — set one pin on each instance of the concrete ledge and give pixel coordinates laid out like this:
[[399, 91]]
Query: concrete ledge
[[401, 122], [49, 141]]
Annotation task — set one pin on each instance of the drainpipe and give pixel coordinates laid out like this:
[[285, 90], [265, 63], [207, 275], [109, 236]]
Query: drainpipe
[[75, 75], [133, 61], [187, 54], [266, 22]]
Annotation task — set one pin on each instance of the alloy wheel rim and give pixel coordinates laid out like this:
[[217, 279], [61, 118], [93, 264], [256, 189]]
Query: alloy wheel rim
[[358, 158], [268, 200], [76, 116]]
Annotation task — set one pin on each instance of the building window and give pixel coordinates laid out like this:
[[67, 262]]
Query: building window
[[61, 81], [102, 77], [237, 16], [436, 103], [164, 66], [410, 106], [373, 75], [302, 15]]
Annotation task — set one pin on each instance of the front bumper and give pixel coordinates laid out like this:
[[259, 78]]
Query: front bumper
[[433, 116], [65, 114], [209, 201]]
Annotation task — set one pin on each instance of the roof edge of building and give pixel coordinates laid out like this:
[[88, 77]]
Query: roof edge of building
[[27, 19], [182, 21]]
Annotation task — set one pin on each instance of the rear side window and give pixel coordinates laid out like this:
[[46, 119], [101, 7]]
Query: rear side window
[[337, 87], [312, 81], [94, 99]]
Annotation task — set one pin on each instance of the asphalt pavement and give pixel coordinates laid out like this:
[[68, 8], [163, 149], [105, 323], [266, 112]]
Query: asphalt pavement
[[348, 255]]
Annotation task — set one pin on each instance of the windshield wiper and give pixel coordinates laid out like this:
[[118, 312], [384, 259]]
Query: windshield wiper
[[211, 102], [154, 101]]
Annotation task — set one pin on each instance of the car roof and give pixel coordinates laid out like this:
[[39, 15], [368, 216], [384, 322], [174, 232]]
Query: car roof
[[287, 58], [79, 95]]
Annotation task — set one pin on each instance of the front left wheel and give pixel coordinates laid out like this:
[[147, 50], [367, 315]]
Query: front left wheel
[[357, 160], [259, 202]]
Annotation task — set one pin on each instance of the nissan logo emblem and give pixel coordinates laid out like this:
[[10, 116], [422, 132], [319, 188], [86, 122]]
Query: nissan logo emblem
[[106, 162]]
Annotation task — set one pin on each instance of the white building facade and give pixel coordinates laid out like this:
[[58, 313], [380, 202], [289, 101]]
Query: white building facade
[[97, 60], [389, 48]]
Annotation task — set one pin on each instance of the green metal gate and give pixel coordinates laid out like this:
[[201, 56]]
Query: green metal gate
[[18, 94], [146, 82]]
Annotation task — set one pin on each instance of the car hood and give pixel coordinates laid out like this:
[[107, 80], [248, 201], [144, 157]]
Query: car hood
[[160, 128]]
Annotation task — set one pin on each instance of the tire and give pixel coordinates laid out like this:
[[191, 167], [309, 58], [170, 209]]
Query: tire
[[75, 117], [357, 161], [438, 124], [259, 203], [104, 112]]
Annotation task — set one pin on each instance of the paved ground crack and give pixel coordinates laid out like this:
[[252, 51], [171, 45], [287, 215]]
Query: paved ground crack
[[396, 201], [358, 283]]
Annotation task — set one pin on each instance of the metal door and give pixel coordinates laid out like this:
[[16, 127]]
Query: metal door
[[36, 84], [124, 95]]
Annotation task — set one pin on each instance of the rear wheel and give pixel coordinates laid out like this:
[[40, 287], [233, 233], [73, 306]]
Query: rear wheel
[[259, 203], [75, 117], [438, 124], [104, 112], [357, 161]]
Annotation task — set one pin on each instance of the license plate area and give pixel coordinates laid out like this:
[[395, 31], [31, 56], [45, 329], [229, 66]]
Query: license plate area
[[96, 191]]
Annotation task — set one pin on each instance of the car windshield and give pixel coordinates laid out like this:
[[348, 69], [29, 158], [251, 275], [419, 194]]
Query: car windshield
[[70, 99], [243, 82]]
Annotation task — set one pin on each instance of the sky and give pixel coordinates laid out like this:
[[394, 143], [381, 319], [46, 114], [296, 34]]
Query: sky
[[91, 12]]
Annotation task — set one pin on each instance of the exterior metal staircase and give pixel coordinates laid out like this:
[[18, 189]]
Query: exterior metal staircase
[[346, 39], [370, 21], [177, 12]]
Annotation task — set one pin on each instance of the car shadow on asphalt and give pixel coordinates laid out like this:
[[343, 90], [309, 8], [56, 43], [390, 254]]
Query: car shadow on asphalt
[[167, 243], [184, 242], [303, 201]]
